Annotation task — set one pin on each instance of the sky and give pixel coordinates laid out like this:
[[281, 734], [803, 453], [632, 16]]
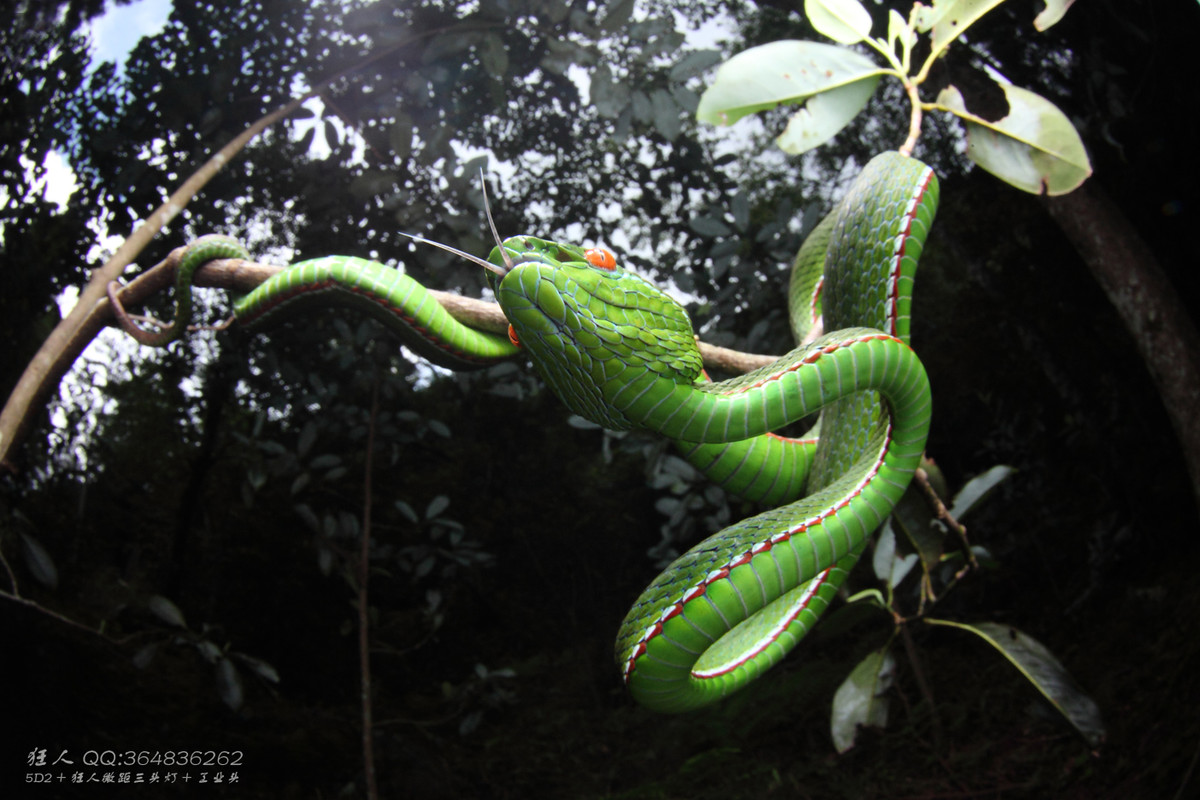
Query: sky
[[114, 35], [120, 28]]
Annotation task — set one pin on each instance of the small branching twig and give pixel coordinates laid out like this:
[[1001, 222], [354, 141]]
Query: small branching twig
[[943, 514], [914, 660]]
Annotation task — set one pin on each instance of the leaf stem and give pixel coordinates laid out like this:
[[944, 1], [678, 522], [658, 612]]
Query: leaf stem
[[922, 480], [914, 119], [882, 48]]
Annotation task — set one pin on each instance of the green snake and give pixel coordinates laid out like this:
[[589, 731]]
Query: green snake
[[620, 352]]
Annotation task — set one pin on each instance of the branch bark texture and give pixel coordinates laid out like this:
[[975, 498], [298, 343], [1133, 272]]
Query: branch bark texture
[[1149, 306]]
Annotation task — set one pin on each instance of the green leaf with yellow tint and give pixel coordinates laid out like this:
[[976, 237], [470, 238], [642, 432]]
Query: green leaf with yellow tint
[[824, 115], [844, 21], [787, 71], [1035, 147]]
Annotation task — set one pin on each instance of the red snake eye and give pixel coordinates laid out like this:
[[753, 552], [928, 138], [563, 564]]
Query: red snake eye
[[512, 336], [601, 258]]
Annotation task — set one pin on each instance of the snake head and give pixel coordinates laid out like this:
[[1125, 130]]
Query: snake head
[[598, 334]]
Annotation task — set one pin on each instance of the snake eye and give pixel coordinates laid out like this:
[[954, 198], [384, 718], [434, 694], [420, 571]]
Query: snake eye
[[600, 258], [512, 336]]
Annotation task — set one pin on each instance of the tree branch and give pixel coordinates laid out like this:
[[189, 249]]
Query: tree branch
[[238, 275], [77, 329], [92, 311], [1147, 303]]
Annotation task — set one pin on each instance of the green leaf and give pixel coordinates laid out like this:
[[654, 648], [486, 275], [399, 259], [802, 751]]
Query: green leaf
[[1052, 13], [145, 655], [898, 31], [347, 525], [666, 114], [1034, 148], [925, 17], [165, 610], [39, 562], [859, 701], [493, 55], [229, 684], [693, 63], [824, 115], [400, 136], [709, 226], [306, 514], [977, 489], [741, 212], [609, 97], [260, 667], [913, 516], [324, 461], [618, 15], [436, 506], [301, 482], [642, 108], [209, 651], [449, 44], [308, 437], [561, 54], [407, 511], [953, 17], [787, 71], [844, 21], [1044, 671], [891, 567], [685, 98], [256, 476]]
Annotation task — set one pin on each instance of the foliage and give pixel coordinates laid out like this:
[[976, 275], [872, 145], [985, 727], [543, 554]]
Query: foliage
[[1034, 147]]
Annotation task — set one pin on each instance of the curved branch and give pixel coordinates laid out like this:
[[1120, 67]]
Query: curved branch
[[72, 335], [92, 311], [242, 276]]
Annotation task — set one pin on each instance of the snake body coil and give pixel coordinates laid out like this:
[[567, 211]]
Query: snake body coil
[[620, 352]]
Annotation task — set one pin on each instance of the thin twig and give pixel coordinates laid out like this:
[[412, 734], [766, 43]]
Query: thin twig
[[1187, 775], [922, 480], [12, 577], [923, 684], [914, 120], [55, 615], [364, 617]]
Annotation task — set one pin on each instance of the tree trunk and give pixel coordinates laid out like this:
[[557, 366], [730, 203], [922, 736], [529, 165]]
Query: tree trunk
[[1148, 304]]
